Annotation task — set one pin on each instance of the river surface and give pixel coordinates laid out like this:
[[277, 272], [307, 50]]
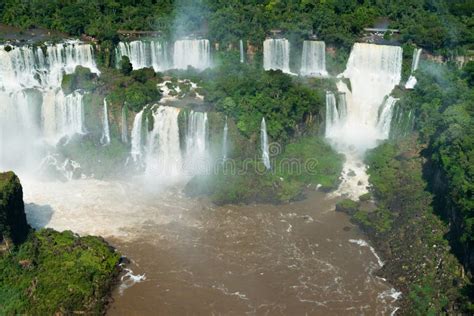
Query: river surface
[[189, 257]]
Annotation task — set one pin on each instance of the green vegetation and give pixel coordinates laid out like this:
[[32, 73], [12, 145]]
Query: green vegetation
[[347, 206], [56, 272], [95, 159], [136, 89], [47, 272], [431, 24], [296, 169], [410, 235], [247, 94], [443, 106], [82, 79]]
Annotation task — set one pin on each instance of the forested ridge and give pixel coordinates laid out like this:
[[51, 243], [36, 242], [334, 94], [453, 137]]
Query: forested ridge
[[432, 24]]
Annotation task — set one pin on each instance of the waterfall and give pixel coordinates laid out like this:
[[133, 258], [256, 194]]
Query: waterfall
[[62, 115], [242, 56], [385, 117], [373, 72], [411, 82], [224, 141], [163, 153], [332, 115], [136, 138], [124, 133], [28, 67], [264, 144], [19, 128], [105, 138], [276, 54], [313, 59], [342, 106], [165, 161], [196, 143], [195, 53], [336, 112], [416, 59], [33, 108], [144, 54]]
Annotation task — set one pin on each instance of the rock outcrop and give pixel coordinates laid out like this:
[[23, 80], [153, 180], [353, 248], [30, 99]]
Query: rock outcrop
[[13, 225]]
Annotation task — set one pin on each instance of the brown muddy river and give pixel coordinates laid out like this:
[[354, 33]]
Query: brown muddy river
[[192, 258], [297, 259]]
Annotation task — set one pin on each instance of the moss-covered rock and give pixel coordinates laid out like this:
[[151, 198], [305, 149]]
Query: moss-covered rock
[[56, 273], [82, 78], [13, 225], [347, 206]]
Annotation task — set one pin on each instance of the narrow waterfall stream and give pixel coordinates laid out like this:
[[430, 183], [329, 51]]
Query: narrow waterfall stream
[[225, 136], [105, 138], [136, 137], [411, 82], [264, 144], [124, 130]]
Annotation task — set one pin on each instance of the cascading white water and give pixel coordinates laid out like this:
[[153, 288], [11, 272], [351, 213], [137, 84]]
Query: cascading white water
[[332, 115], [105, 138], [163, 153], [144, 54], [195, 53], [264, 144], [224, 141], [165, 161], [385, 117], [31, 99], [124, 130], [341, 106], [20, 128], [242, 56], [276, 54], [196, 143], [373, 72], [411, 82], [136, 138], [62, 115], [28, 67], [313, 59]]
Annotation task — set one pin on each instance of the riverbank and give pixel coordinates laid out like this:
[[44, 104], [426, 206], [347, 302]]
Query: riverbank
[[407, 234]]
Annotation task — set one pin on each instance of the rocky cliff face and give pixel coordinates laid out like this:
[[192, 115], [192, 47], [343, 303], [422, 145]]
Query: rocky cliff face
[[13, 225]]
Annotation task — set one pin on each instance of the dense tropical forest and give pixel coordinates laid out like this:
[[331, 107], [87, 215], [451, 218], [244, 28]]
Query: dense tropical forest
[[419, 209], [431, 24]]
